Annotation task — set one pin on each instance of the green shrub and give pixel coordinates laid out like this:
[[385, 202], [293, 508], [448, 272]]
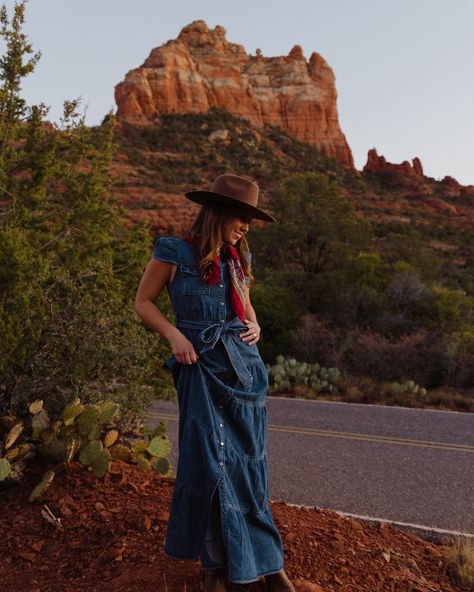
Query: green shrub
[[277, 317]]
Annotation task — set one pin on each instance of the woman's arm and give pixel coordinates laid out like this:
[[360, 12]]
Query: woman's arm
[[155, 277], [250, 315]]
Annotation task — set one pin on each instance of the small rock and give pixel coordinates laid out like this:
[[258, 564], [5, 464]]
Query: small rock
[[219, 135]]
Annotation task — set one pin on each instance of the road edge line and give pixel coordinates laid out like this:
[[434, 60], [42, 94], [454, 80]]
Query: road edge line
[[429, 532]]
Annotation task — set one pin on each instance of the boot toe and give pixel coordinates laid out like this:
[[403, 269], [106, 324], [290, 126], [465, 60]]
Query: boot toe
[[213, 580], [279, 582]]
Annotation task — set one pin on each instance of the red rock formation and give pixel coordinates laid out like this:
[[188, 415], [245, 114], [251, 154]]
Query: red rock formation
[[410, 178], [201, 69], [377, 164], [405, 177]]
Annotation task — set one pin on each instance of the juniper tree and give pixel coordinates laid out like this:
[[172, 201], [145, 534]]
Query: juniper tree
[[69, 265]]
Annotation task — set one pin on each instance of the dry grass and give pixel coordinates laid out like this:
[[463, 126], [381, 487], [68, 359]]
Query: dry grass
[[460, 556]]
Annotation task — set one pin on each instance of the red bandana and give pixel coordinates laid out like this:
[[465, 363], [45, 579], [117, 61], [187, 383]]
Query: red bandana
[[238, 285]]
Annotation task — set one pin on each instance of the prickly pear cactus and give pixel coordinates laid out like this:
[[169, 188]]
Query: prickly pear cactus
[[408, 387], [288, 373], [89, 433]]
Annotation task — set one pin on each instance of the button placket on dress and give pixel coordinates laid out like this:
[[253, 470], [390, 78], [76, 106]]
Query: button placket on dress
[[221, 297]]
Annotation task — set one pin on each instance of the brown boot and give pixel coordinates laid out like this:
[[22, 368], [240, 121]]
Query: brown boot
[[279, 582], [213, 580]]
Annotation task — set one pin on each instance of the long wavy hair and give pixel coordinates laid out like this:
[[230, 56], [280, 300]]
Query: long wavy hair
[[208, 224]]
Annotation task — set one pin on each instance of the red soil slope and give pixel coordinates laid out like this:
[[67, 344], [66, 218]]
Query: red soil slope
[[113, 533]]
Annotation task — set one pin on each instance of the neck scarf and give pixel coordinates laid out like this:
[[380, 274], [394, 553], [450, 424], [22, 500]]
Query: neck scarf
[[237, 277]]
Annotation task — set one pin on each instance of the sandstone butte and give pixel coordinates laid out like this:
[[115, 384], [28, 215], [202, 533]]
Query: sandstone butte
[[201, 69]]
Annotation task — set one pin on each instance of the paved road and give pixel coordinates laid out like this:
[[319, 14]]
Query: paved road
[[406, 465]]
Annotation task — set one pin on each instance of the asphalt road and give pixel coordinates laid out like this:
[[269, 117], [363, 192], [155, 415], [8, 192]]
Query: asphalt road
[[410, 466]]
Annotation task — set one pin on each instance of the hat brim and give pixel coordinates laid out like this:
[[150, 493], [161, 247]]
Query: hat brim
[[212, 198]]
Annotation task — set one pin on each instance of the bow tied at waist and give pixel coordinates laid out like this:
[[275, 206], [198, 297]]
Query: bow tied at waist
[[210, 334]]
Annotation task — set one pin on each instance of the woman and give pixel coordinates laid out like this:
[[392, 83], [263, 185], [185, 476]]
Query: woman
[[219, 512]]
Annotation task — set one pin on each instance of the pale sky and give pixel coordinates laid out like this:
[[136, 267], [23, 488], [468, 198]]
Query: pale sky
[[404, 68]]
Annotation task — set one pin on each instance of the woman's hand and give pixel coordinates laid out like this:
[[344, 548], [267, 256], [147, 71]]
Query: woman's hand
[[252, 335], [183, 349]]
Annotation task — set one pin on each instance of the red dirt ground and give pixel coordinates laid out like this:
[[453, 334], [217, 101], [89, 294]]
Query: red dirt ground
[[113, 532]]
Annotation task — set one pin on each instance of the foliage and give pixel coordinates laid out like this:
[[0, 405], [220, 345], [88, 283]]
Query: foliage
[[69, 264], [318, 226], [457, 357], [319, 250], [278, 316], [450, 307]]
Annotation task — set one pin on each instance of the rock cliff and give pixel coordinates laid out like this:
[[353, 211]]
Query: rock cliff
[[201, 69]]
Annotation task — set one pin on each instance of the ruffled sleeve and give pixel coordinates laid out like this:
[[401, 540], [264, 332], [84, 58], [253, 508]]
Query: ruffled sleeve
[[166, 248]]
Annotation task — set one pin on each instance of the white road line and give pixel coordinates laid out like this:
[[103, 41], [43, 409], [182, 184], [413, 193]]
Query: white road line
[[372, 519]]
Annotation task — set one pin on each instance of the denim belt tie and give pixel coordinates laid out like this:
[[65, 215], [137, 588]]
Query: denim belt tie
[[213, 331]]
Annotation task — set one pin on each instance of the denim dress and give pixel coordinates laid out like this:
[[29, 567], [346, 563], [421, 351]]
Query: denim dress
[[222, 471]]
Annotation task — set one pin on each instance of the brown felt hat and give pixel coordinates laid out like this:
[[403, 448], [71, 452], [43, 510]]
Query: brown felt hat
[[232, 190]]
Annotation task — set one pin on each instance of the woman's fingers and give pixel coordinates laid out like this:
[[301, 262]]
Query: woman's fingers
[[185, 353], [251, 340], [246, 335], [189, 357], [250, 336]]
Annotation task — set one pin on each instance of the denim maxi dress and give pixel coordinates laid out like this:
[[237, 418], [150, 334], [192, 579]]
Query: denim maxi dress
[[222, 430]]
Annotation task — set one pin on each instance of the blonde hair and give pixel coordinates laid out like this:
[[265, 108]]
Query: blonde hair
[[208, 224]]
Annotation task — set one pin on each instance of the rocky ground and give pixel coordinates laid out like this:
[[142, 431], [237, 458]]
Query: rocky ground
[[110, 536]]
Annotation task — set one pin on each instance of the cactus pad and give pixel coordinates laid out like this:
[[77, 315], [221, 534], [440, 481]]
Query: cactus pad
[[139, 446], [43, 485], [159, 446], [90, 452], [13, 434], [110, 438], [39, 422], [36, 406], [121, 452], [107, 411], [88, 424], [101, 462], [162, 465], [4, 468], [71, 412], [143, 463], [17, 452]]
